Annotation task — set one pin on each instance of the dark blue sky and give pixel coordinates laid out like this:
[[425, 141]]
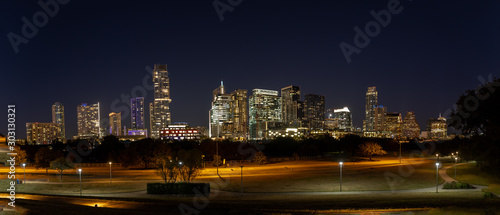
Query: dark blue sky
[[94, 51]]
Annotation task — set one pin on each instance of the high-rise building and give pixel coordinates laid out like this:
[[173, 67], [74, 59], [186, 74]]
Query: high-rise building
[[439, 129], [239, 114], [314, 110], [291, 104], [115, 124], [411, 129], [58, 117], [379, 119], [393, 123], [264, 106], [371, 104], [343, 119], [42, 133], [329, 114], [151, 118], [161, 105], [137, 113], [89, 120]]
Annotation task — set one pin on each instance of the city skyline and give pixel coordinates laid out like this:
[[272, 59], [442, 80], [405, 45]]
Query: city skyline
[[417, 64]]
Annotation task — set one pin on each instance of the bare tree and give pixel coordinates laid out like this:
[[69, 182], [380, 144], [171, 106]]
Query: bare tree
[[167, 169], [260, 158], [190, 164]]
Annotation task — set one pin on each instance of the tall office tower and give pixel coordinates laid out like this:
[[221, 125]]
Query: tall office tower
[[151, 118], [344, 118], [379, 118], [411, 129], [115, 124], [161, 99], [137, 113], [239, 114], [89, 120], [329, 114], [42, 133], [220, 118], [314, 111], [264, 106], [58, 117], [393, 121], [371, 104], [439, 129], [290, 104]]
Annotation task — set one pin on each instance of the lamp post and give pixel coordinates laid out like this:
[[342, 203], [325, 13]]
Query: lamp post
[[241, 180], [24, 167], [217, 152], [80, 173], [437, 174], [437, 158], [110, 176], [400, 152], [456, 168], [340, 164]]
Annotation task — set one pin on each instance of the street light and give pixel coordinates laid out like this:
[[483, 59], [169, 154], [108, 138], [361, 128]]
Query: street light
[[80, 173], [24, 167], [340, 164], [437, 158], [241, 180], [456, 168], [110, 176], [437, 173]]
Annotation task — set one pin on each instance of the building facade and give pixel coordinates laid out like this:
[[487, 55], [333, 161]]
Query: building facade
[[393, 124], [371, 104], [314, 111], [58, 117], [264, 106], [379, 120], [161, 105], [291, 106], [343, 119], [410, 129], [42, 133], [137, 113], [89, 121], [115, 124], [439, 129], [239, 114], [179, 131]]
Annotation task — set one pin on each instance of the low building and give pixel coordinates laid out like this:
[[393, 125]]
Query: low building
[[42, 133], [179, 132]]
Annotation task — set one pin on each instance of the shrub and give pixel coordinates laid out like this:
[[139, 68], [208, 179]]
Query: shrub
[[457, 185], [178, 188]]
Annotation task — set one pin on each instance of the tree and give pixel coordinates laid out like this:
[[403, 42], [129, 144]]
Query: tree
[[167, 169], [109, 148], [43, 157], [217, 160], [21, 156], [260, 158], [61, 164], [191, 164], [370, 148]]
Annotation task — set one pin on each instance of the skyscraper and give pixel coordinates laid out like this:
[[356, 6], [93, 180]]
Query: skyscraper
[[89, 120], [151, 118], [239, 114], [343, 118], [291, 104], [379, 119], [371, 103], [137, 113], [161, 105], [314, 110], [439, 129], [393, 124], [411, 129], [115, 124], [58, 117], [229, 114], [42, 133], [264, 106]]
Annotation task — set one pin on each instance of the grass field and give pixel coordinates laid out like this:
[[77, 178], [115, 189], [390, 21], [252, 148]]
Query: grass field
[[472, 174]]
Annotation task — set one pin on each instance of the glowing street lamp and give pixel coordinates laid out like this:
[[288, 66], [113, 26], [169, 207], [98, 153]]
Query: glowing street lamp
[[80, 173], [340, 164], [437, 173], [437, 158], [456, 168], [24, 167], [110, 176]]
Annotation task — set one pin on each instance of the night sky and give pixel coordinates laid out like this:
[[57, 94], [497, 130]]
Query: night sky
[[96, 51]]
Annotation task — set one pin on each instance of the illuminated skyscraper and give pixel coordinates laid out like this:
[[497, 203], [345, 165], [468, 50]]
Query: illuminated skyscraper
[[314, 110], [239, 114], [411, 129], [115, 124], [229, 114], [137, 113], [343, 118], [58, 117], [42, 133], [89, 120], [393, 123], [264, 106], [379, 118], [371, 104], [151, 118], [161, 118], [439, 129], [291, 104]]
